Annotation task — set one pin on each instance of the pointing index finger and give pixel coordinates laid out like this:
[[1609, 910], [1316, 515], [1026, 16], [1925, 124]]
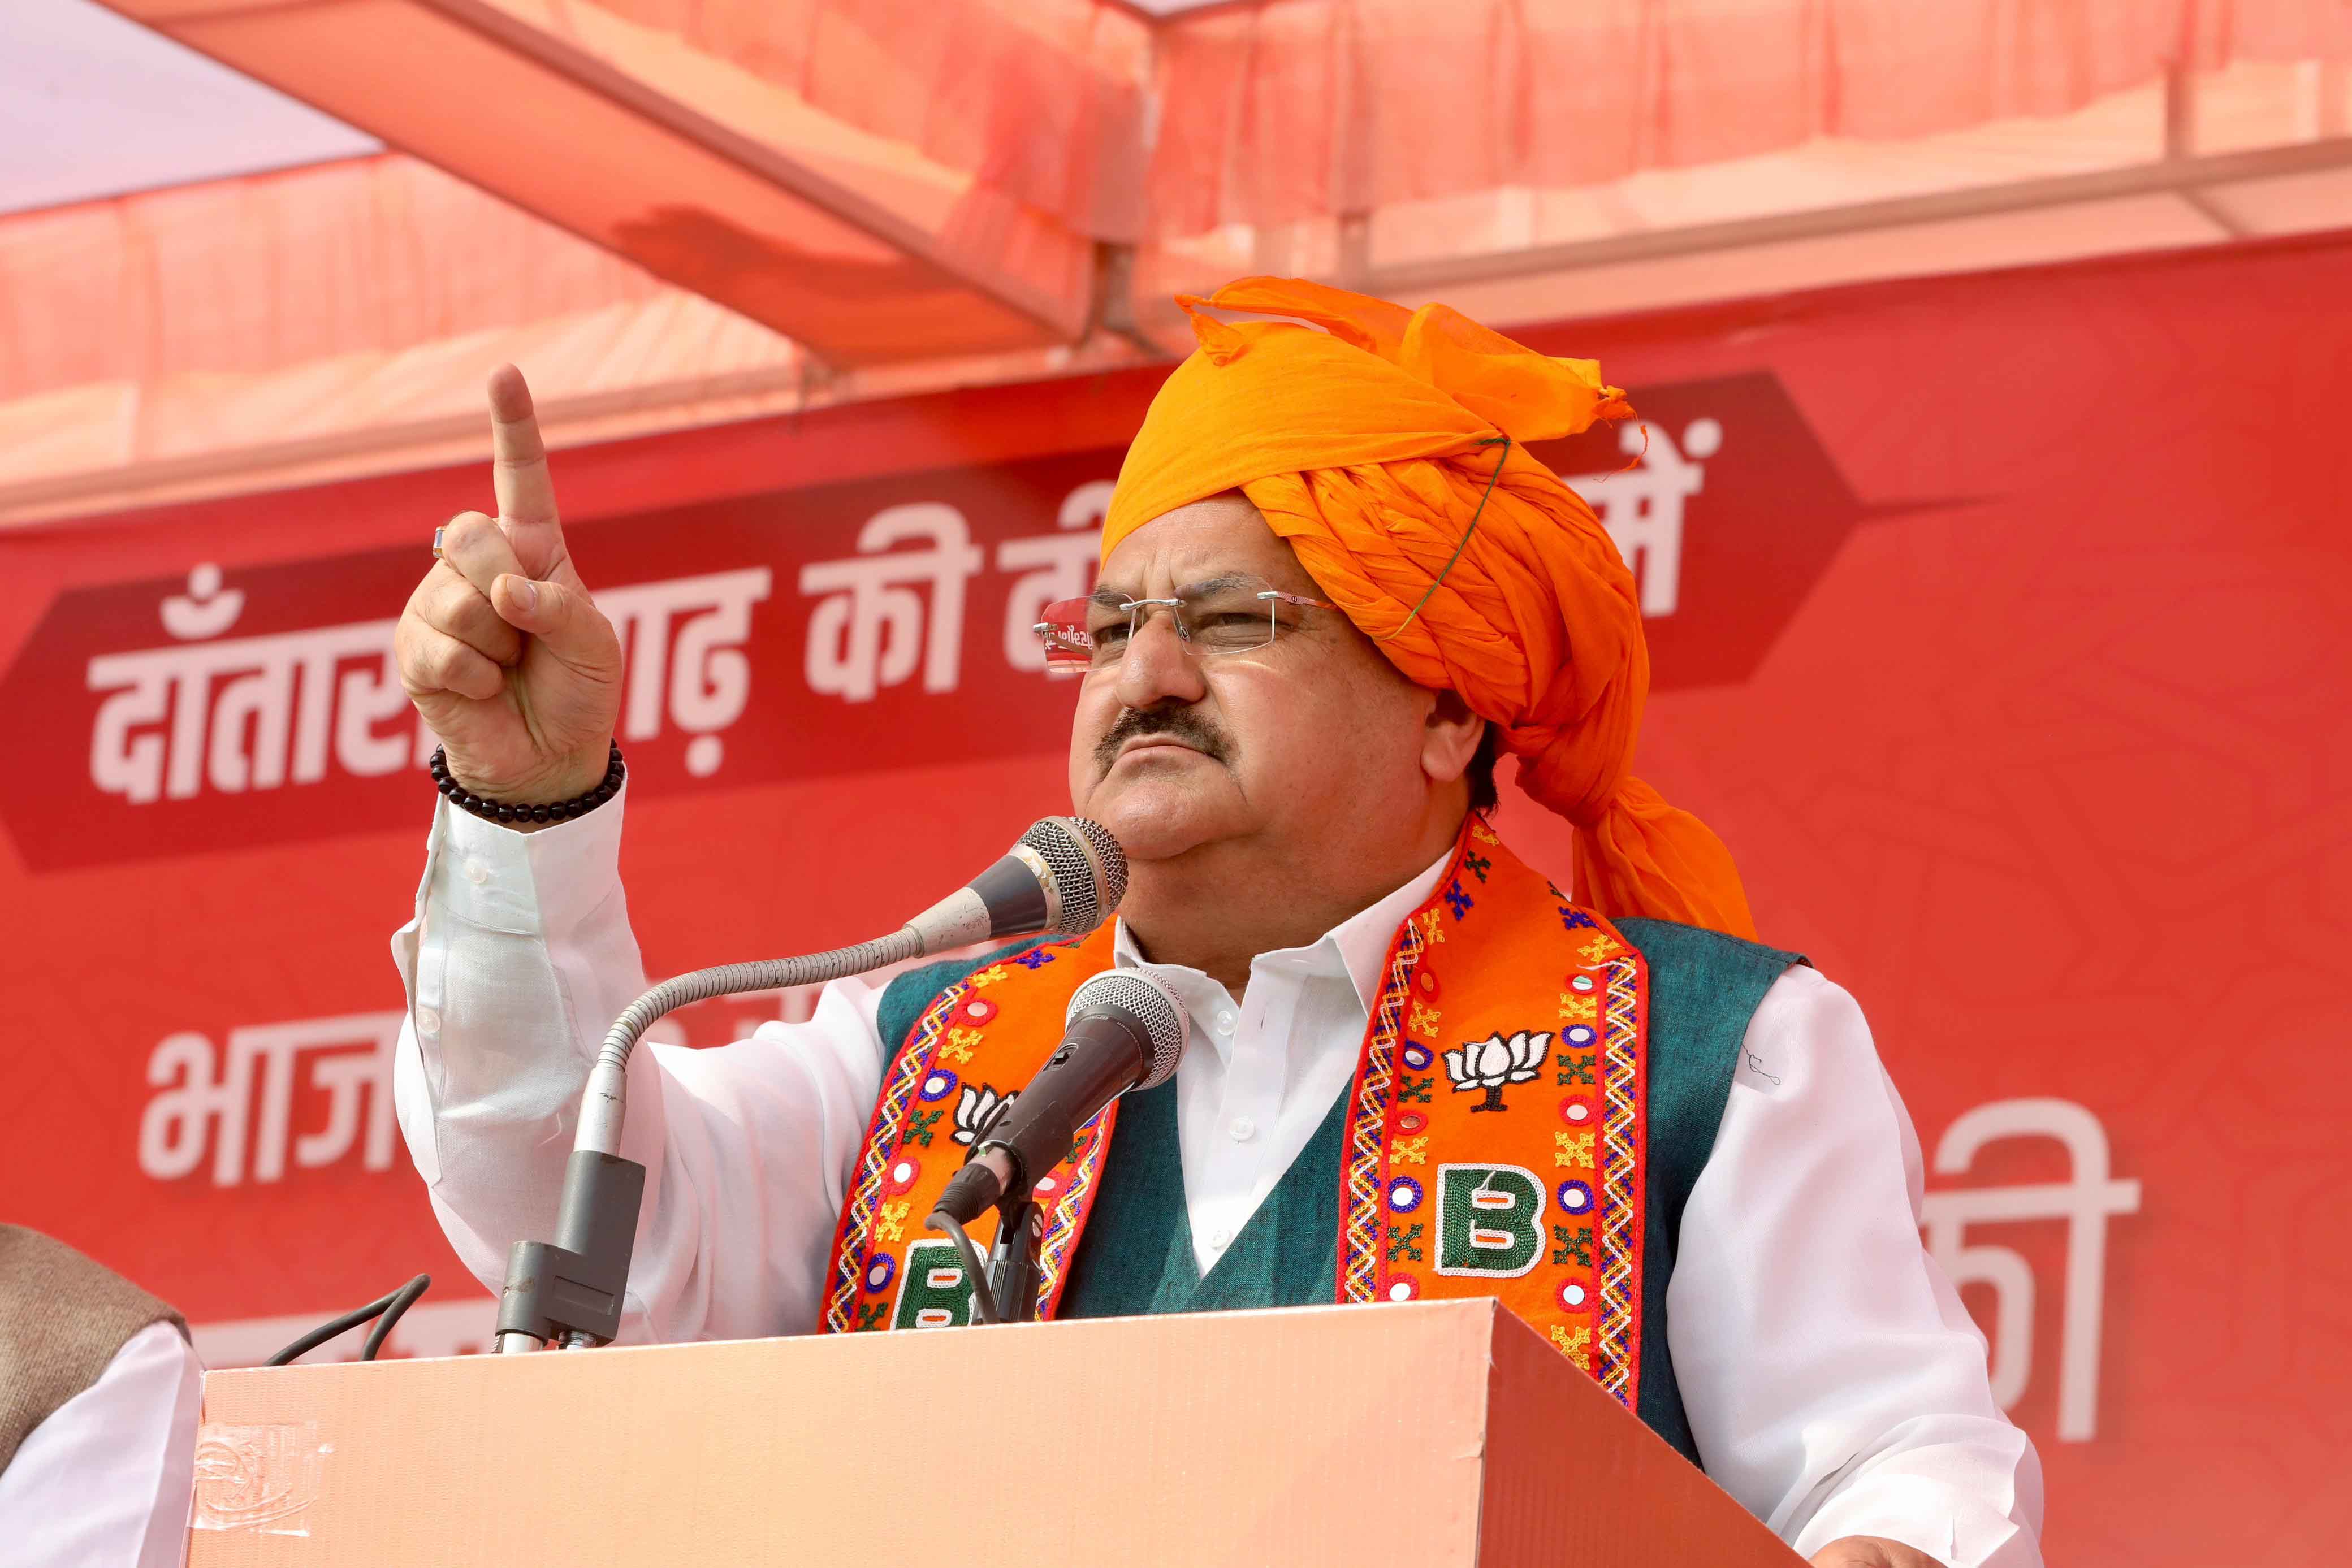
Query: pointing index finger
[[518, 457]]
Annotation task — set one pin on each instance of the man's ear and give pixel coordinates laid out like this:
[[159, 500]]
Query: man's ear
[[1450, 738]]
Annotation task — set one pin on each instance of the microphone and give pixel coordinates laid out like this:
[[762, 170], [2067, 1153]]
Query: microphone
[[1124, 1030], [1062, 877]]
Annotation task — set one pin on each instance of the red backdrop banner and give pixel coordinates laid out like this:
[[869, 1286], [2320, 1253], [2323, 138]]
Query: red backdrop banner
[[2000, 628]]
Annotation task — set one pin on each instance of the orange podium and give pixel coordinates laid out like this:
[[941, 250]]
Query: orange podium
[[1439, 1435]]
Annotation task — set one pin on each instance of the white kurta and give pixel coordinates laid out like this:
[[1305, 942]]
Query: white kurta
[[109, 1478], [1833, 1380]]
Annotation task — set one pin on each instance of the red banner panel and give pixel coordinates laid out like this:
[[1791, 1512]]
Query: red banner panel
[[2000, 626]]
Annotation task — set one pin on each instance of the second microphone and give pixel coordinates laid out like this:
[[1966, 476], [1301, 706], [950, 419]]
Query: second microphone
[[1124, 1030]]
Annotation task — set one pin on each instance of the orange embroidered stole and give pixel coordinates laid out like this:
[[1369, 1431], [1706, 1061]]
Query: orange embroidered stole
[[1495, 1140]]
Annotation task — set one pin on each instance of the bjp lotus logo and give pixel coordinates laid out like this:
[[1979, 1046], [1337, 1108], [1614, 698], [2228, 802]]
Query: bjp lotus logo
[[1492, 1062], [979, 1106]]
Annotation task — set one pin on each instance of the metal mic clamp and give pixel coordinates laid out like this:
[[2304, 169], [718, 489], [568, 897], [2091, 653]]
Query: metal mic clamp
[[1004, 1288], [569, 1292], [1013, 1274]]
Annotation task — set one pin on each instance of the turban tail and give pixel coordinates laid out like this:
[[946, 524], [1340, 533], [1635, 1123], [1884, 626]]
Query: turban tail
[[1370, 446]]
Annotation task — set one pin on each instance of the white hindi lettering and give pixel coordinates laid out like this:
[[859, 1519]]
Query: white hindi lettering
[[2085, 1201], [203, 611], [708, 679], [260, 712], [205, 1104], [868, 631], [251, 733], [1641, 507], [1054, 566]]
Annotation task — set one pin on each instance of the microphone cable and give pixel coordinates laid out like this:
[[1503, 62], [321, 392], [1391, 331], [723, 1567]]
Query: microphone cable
[[385, 1309], [984, 1299]]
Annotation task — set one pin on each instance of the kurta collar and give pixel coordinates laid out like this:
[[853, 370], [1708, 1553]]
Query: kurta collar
[[1355, 948]]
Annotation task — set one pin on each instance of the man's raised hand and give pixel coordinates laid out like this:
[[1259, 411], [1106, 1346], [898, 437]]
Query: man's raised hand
[[500, 648]]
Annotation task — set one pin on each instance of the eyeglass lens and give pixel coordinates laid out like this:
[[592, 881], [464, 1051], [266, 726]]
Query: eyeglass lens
[[1230, 614]]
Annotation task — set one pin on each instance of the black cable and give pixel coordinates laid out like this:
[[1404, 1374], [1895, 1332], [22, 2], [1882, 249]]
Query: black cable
[[387, 1307], [400, 1301], [984, 1301]]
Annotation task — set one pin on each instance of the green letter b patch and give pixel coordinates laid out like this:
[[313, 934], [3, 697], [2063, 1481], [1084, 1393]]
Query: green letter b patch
[[1489, 1220], [932, 1291]]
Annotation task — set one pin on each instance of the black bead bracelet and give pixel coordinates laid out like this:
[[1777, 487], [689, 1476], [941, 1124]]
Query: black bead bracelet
[[516, 811]]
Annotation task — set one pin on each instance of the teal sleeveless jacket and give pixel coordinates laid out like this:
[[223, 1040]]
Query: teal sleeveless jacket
[[1135, 1255]]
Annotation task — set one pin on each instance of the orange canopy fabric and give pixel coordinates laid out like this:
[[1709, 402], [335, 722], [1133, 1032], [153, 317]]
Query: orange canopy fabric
[[1371, 445]]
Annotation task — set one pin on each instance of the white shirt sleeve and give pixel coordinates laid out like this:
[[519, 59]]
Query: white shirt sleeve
[[1833, 1379], [111, 1475], [518, 960]]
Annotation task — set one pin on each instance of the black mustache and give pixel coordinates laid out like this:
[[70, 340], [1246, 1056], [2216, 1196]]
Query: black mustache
[[1182, 723]]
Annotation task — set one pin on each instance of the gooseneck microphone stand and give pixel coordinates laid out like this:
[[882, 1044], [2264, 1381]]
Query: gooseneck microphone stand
[[568, 1293], [1065, 876]]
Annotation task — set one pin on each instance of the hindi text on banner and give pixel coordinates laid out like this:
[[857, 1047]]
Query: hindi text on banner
[[869, 629], [704, 678], [1054, 567], [252, 713], [261, 713], [206, 1099], [2085, 1202], [1642, 506]]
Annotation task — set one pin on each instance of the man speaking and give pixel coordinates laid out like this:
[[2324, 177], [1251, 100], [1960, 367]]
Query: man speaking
[[1334, 587]]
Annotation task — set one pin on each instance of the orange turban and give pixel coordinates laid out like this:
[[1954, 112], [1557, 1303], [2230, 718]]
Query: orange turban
[[1370, 446]]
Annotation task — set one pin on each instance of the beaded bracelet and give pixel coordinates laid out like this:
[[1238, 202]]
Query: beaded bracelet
[[516, 811]]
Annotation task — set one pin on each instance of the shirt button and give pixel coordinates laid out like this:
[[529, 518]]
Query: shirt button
[[428, 1020], [1225, 1023], [477, 873], [1244, 1129], [1220, 1239]]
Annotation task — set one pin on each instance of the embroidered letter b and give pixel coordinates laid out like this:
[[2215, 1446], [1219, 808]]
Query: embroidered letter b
[[1489, 1220], [932, 1291]]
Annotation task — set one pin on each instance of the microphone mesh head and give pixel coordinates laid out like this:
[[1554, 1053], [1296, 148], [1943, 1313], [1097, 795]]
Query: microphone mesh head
[[1144, 996], [1087, 867]]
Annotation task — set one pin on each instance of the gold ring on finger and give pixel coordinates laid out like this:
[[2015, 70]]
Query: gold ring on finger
[[438, 532]]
